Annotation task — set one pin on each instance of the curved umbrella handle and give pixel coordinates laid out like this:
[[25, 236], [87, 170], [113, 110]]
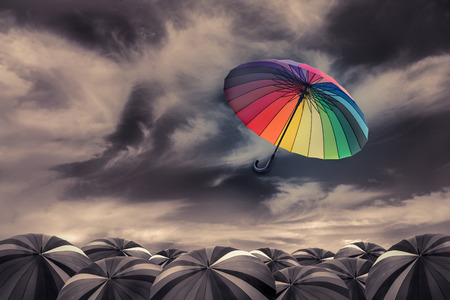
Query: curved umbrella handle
[[266, 167]]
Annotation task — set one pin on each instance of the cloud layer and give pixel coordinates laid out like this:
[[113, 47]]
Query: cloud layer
[[113, 123]]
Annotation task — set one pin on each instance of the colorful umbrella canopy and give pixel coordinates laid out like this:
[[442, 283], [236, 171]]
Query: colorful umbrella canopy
[[416, 268], [363, 250], [353, 271], [110, 247], [312, 256], [112, 278], [165, 257], [214, 273], [296, 107], [309, 282], [35, 266], [275, 259]]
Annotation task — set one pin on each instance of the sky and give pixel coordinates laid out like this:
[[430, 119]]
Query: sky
[[113, 122]]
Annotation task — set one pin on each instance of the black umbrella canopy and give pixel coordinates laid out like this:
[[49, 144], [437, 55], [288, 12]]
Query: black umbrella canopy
[[111, 247], [312, 256], [216, 273], [36, 266], [113, 278], [363, 250], [165, 257], [309, 282], [353, 271], [275, 259], [414, 269]]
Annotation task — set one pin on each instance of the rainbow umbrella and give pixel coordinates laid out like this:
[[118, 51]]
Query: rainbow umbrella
[[365, 250], [414, 269], [296, 107], [165, 257], [36, 266], [112, 278], [353, 271], [111, 247], [275, 259], [216, 273], [309, 282], [312, 256]]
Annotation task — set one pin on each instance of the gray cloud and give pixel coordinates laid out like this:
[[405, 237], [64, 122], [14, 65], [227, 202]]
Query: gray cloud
[[111, 27], [145, 147], [377, 32]]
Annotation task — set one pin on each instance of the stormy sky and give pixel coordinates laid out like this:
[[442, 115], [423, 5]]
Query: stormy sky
[[113, 122]]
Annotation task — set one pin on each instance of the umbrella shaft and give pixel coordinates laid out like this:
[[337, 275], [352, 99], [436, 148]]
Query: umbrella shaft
[[300, 99]]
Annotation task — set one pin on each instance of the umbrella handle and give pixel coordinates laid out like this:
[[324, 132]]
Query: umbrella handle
[[266, 167]]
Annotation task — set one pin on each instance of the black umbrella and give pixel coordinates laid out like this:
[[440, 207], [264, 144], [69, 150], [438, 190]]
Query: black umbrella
[[353, 271], [111, 247], [309, 282], [363, 250], [36, 266], [112, 278], [275, 259], [165, 257], [217, 273], [414, 269], [312, 256]]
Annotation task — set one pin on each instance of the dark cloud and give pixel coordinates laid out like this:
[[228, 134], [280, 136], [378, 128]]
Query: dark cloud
[[146, 176], [375, 32], [405, 157], [110, 26], [136, 116], [256, 22]]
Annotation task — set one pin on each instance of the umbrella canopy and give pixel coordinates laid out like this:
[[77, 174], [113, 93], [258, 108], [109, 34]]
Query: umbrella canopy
[[296, 107], [275, 259], [35, 266], [312, 256], [217, 273], [416, 268], [112, 278], [165, 257], [363, 250], [309, 282], [110, 247], [353, 271]]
